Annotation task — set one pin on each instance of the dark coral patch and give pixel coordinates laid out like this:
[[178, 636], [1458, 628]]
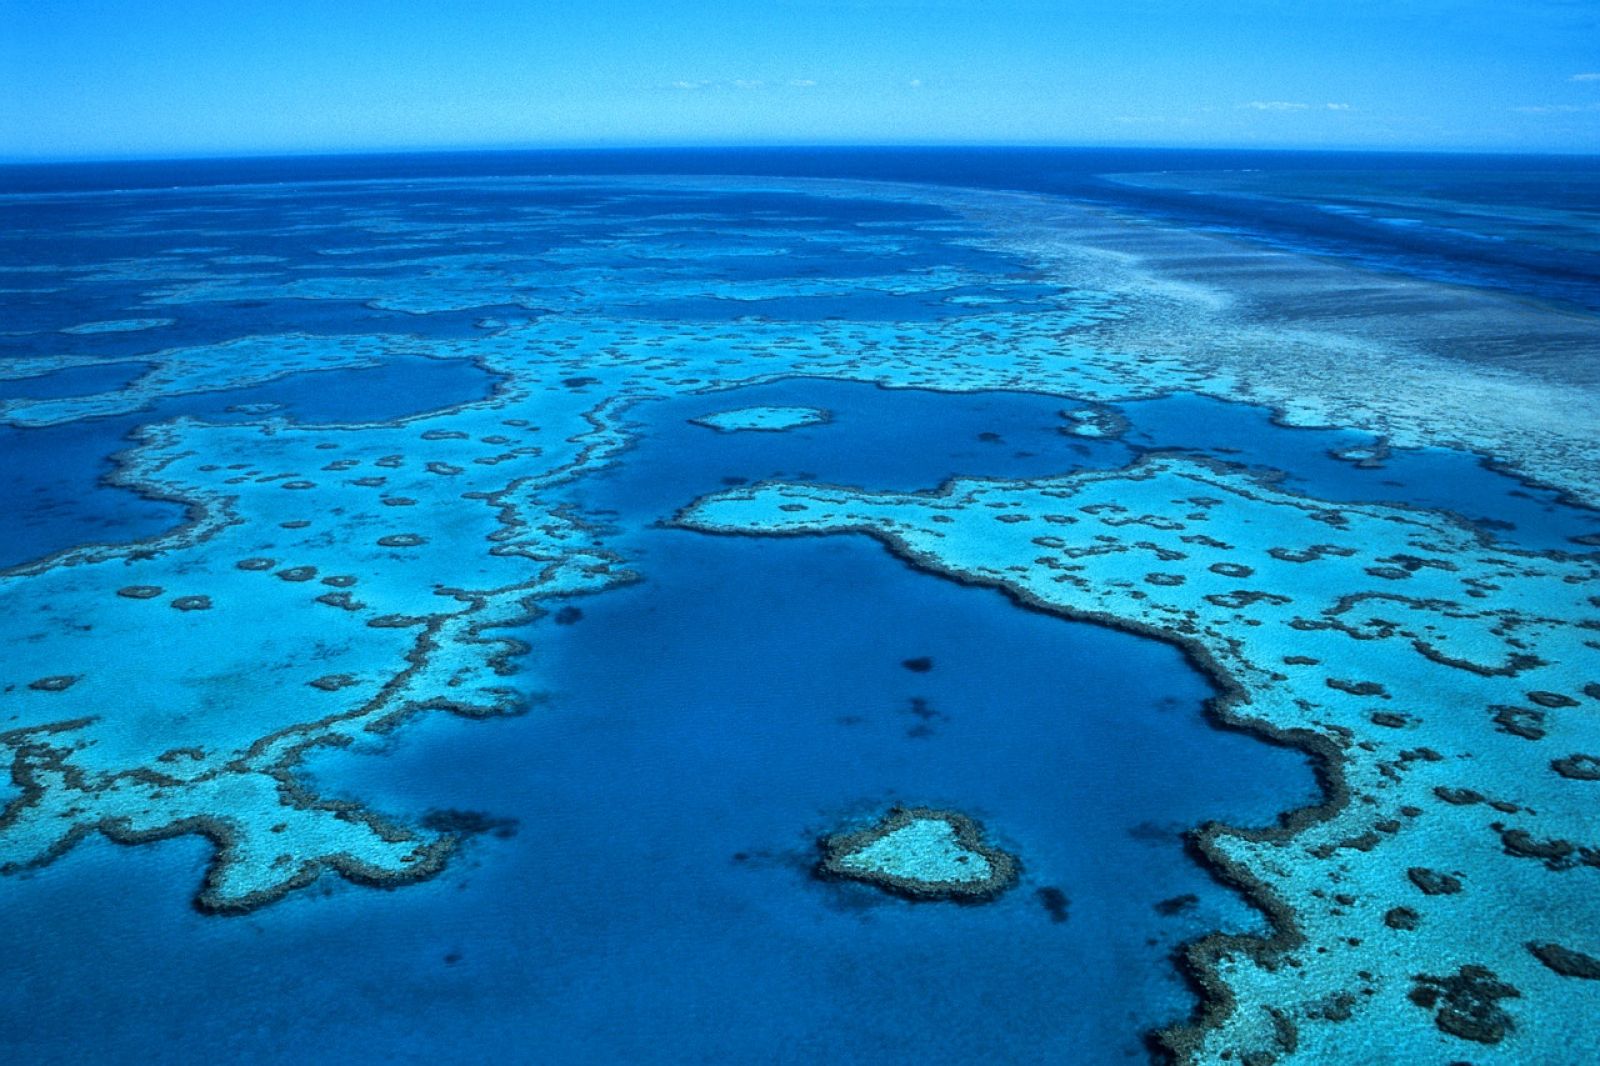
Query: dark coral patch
[[1567, 962], [402, 540], [192, 603], [1468, 1003], [1524, 722], [920, 665], [298, 573], [1434, 883], [1177, 904], [469, 823], [140, 592], [1054, 901], [257, 563], [55, 683], [1578, 767], [1402, 918], [1555, 853], [342, 600], [1356, 688], [394, 621], [333, 682]]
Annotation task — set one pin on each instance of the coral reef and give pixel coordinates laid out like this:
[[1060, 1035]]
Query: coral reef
[[767, 419], [922, 854]]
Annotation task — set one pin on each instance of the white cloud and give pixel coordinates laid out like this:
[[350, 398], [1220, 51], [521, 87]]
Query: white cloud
[[1556, 109], [915, 83], [746, 84], [1275, 105], [1585, 77], [1337, 107]]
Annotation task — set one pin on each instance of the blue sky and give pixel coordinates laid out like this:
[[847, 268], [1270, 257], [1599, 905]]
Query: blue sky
[[172, 77]]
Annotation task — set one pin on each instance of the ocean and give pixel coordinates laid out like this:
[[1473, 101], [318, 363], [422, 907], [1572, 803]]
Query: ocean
[[556, 794]]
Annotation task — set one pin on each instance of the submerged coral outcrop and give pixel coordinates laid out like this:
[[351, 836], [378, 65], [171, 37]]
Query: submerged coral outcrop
[[772, 419], [922, 854]]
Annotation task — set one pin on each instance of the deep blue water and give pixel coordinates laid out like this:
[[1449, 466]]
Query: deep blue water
[[1456, 240]]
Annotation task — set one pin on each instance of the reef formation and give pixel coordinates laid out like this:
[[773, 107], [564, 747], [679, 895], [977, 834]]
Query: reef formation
[[771, 419], [922, 854]]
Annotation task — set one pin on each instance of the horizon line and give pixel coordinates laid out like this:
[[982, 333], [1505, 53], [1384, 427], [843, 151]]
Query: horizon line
[[248, 155]]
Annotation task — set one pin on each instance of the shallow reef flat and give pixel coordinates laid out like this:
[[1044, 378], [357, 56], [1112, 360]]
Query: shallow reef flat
[[1448, 687], [333, 582], [119, 325], [771, 419]]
